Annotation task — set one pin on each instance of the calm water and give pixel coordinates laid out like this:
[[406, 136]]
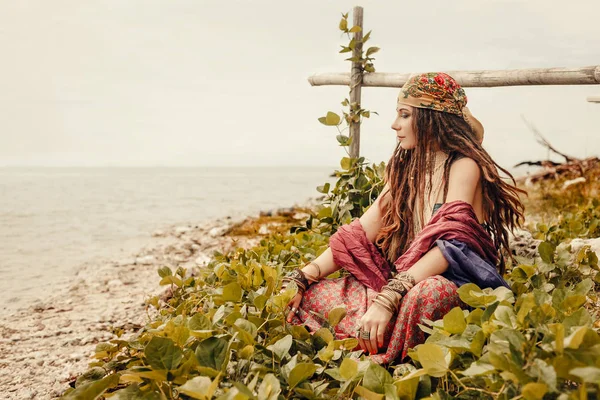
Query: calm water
[[53, 220]]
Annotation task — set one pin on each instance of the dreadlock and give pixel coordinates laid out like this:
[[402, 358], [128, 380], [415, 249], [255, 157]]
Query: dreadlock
[[406, 174]]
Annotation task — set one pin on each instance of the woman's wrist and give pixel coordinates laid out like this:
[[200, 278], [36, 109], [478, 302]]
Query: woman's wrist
[[312, 272]]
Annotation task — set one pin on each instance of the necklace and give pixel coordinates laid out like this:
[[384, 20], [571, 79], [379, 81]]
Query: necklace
[[432, 190]]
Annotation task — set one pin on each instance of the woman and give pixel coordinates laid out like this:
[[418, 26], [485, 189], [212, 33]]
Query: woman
[[440, 221]]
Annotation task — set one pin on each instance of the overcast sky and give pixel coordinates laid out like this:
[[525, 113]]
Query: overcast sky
[[186, 83]]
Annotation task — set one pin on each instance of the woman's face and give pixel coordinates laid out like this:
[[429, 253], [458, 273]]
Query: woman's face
[[403, 125]]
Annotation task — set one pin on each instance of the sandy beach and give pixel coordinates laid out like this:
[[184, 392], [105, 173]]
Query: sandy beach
[[45, 346]]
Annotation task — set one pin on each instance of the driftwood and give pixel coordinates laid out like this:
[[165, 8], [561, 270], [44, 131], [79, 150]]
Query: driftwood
[[571, 167], [483, 78]]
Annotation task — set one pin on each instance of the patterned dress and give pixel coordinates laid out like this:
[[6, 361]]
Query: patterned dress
[[428, 299]]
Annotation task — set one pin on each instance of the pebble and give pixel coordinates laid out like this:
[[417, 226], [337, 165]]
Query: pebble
[[146, 260], [577, 244], [51, 342], [180, 230], [218, 231]]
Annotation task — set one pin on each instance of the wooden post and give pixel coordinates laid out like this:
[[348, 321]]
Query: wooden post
[[485, 78], [594, 99], [356, 77]]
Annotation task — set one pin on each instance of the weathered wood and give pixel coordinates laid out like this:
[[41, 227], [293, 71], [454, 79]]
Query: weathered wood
[[485, 78], [594, 99], [356, 77]]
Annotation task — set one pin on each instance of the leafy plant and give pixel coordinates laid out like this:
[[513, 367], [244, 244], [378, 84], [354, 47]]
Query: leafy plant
[[222, 333]]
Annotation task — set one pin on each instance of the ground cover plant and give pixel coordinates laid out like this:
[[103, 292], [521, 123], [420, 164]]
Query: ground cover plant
[[222, 333]]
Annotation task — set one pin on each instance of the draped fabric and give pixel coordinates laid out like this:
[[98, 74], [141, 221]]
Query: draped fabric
[[454, 224]]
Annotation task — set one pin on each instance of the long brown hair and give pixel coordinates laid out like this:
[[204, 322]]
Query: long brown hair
[[406, 174]]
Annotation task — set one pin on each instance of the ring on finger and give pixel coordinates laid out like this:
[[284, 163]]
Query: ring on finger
[[364, 334]]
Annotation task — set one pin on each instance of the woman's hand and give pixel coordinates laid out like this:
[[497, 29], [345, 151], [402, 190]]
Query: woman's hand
[[375, 322], [293, 306]]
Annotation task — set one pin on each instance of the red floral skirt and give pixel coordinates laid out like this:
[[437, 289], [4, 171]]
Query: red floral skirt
[[429, 299]]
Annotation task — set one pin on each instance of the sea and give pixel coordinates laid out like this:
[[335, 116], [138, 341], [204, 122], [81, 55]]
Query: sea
[[55, 220]]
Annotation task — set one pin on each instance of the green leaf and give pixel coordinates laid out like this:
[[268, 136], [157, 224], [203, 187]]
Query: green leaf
[[164, 272], [376, 377], [343, 25], [534, 391], [372, 50], [199, 322], [391, 392], [454, 321], [367, 394], [544, 372], [326, 353], [95, 389], [366, 37], [348, 368], [200, 387], [587, 374], [471, 295], [324, 188], [218, 314], [478, 368], [433, 359], [299, 332], [336, 315], [346, 163], [332, 119], [212, 353], [133, 392], [324, 334], [282, 347], [269, 388], [355, 28], [546, 250], [162, 353], [300, 373], [232, 292], [171, 280], [343, 140]]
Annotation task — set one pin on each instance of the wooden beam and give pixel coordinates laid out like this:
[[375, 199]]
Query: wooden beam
[[485, 78], [594, 99], [356, 76]]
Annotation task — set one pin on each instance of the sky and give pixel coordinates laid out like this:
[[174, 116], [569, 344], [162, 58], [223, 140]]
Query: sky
[[224, 83]]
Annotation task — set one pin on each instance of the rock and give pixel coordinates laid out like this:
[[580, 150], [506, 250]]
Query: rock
[[114, 283], [263, 230], [145, 260], [217, 231], [158, 233], [202, 259], [180, 230], [300, 216], [577, 244], [522, 244], [125, 261]]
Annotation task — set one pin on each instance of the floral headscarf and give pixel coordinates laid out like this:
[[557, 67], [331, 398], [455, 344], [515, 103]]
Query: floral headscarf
[[439, 91]]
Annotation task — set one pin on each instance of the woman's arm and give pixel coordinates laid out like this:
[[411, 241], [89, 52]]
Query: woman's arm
[[371, 223], [463, 181]]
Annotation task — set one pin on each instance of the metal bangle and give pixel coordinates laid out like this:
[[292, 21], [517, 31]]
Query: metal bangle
[[389, 300]]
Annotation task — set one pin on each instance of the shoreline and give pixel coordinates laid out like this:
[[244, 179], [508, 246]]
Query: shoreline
[[46, 345]]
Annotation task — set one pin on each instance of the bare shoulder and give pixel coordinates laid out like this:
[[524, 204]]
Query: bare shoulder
[[465, 168], [463, 180]]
